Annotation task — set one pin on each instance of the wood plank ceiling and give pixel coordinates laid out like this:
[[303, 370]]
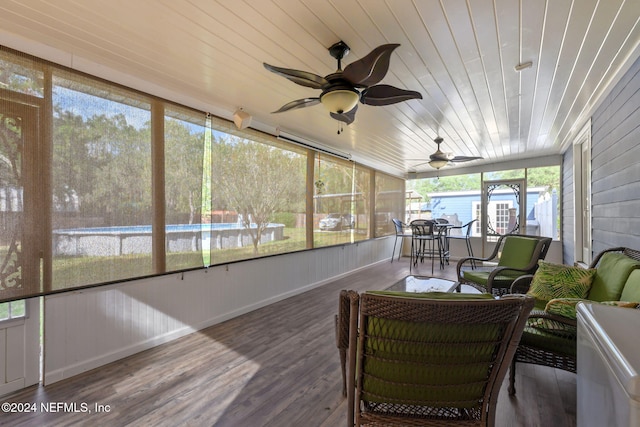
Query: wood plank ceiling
[[459, 54]]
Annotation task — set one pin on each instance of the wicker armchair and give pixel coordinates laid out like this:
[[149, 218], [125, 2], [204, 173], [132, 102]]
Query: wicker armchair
[[513, 256], [555, 345], [430, 359]]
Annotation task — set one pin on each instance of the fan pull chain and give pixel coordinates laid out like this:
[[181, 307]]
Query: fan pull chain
[[340, 128]]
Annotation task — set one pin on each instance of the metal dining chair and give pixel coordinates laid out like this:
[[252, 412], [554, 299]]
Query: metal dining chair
[[424, 240], [402, 231], [466, 236], [442, 228]]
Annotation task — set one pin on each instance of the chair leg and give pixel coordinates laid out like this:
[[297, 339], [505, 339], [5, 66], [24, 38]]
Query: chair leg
[[432, 252], [393, 252], [470, 252], [343, 364], [411, 257], [512, 378]]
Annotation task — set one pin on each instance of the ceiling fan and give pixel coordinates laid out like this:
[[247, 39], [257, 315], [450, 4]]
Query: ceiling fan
[[342, 89], [440, 159]]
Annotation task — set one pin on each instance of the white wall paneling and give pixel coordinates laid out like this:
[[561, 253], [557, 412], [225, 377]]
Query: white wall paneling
[[89, 328]]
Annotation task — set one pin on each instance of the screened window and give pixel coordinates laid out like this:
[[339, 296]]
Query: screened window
[[389, 203], [458, 199], [100, 183], [21, 75], [101, 189], [362, 202], [334, 201], [186, 241], [21, 221], [257, 196], [452, 198]]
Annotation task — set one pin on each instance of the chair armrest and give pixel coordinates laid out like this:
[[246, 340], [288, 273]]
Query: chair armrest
[[552, 323], [499, 270], [471, 262], [521, 284], [540, 314]]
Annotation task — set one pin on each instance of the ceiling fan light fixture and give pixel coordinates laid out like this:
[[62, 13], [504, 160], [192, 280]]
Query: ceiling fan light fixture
[[438, 163], [340, 101]]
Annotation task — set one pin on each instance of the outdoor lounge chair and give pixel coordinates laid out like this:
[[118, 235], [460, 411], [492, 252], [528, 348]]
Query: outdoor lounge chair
[[513, 256], [430, 359]]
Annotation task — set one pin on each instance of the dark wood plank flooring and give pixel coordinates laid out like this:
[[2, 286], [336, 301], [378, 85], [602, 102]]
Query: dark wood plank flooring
[[277, 366]]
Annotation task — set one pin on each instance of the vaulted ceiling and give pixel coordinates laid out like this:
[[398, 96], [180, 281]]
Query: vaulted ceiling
[[461, 55]]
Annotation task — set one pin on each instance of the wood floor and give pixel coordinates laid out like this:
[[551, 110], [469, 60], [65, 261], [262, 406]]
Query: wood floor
[[277, 366]]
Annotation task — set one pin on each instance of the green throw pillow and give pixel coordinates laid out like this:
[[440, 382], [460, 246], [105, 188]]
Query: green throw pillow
[[560, 281]]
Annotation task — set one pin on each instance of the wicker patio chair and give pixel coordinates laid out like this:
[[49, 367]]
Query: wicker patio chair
[[347, 302], [556, 349], [430, 359], [513, 256]]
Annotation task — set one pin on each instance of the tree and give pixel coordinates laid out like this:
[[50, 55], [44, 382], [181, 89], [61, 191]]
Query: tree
[[255, 180], [183, 171], [444, 184]]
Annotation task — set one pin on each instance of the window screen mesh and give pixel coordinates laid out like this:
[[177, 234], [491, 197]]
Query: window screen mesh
[[100, 183]]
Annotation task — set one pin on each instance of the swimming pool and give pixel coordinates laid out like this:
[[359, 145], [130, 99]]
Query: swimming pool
[[124, 240]]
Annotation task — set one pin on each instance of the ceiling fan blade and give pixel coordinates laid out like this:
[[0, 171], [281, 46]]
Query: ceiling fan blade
[[420, 164], [347, 117], [459, 159], [387, 95], [370, 69], [303, 78], [298, 103]]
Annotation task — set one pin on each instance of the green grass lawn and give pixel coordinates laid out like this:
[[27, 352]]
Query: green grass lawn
[[76, 271]]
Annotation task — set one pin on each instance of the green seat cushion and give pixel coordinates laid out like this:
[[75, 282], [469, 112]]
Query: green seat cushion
[[502, 280], [517, 251], [409, 363], [541, 338], [612, 274], [400, 372], [631, 291], [560, 281]]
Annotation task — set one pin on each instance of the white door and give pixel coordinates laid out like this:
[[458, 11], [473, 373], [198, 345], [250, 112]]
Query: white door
[[582, 194], [21, 208], [503, 210], [19, 345]]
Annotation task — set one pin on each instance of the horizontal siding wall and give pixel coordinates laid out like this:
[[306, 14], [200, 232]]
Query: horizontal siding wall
[[615, 160], [87, 329]]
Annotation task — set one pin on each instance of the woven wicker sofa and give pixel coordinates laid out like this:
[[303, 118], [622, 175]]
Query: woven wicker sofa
[[553, 343]]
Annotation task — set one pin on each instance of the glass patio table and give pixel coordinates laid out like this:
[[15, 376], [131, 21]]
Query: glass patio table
[[413, 283]]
